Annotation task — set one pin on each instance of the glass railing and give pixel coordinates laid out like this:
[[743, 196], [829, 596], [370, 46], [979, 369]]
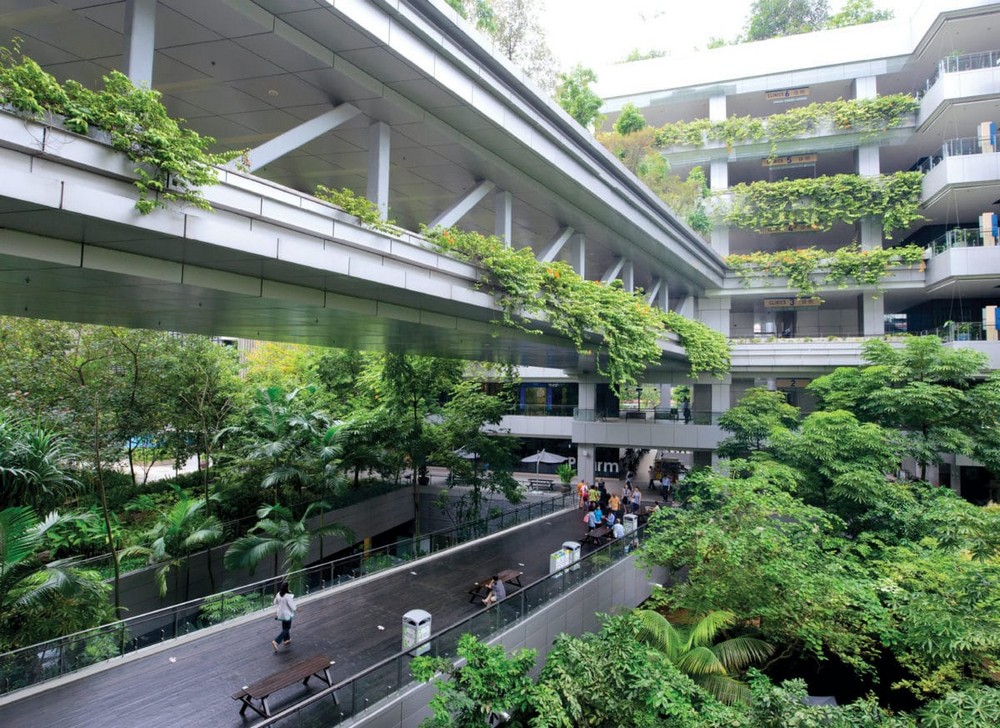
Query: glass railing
[[362, 692], [656, 415], [964, 62], [957, 238], [46, 660], [960, 147], [543, 410], [959, 331]]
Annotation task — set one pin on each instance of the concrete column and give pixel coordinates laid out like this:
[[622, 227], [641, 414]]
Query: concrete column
[[587, 396], [666, 392], [662, 300], [703, 458], [578, 254], [717, 108], [870, 232], [377, 190], [720, 239], [714, 313], [866, 87], [585, 463], [504, 215], [686, 306], [871, 312], [628, 276], [140, 41], [869, 228]]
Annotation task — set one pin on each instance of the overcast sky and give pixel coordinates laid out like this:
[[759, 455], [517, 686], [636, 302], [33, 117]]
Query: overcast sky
[[596, 33]]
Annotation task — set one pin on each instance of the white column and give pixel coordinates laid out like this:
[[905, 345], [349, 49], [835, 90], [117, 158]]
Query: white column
[[718, 178], [686, 306], [714, 313], [872, 314], [585, 463], [378, 167], [578, 255], [628, 276], [869, 227], [502, 201], [140, 41], [717, 108]]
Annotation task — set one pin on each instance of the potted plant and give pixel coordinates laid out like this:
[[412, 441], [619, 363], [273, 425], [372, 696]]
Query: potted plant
[[422, 477], [566, 474]]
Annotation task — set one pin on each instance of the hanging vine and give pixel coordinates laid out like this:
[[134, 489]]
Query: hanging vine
[[818, 203], [629, 328], [807, 269], [172, 163]]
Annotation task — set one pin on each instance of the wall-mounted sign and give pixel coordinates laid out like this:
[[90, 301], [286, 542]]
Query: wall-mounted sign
[[773, 303], [792, 383], [787, 94], [775, 162]]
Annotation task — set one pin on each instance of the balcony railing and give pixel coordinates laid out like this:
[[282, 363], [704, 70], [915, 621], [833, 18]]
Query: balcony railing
[[964, 62], [957, 238], [543, 410], [358, 694], [963, 146], [46, 660], [656, 415], [959, 331]]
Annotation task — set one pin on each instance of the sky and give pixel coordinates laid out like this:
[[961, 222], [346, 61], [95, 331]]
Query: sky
[[597, 33]]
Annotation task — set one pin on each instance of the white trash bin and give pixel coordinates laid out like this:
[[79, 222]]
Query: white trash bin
[[574, 553], [558, 560], [416, 628], [630, 523]]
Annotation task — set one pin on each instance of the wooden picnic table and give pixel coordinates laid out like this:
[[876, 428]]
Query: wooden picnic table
[[316, 666], [481, 589], [598, 536], [537, 483]]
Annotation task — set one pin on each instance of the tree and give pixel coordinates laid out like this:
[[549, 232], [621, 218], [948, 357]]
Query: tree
[[753, 419], [34, 462], [933, 394], [630, 120], [279, 532], [858, 12], [177, 534], [34, 591], [693, 649], [775, 18], [574, 95]]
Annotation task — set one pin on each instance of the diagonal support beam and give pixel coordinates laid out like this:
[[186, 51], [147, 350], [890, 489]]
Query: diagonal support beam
[[552, 249], [658, 295], [302, 134], [611, 273], [462, 205]]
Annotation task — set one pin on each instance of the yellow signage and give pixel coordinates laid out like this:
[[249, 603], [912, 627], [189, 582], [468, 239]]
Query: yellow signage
[[792, 302], [791, 383], [787, 161], [787, 94]]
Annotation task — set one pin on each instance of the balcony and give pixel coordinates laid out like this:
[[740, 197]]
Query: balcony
[[956, 238], [962, 162], [959, 78], [652, 428]]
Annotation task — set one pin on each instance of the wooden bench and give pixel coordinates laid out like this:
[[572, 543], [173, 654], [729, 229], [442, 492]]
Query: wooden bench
[[482, 588], [316, 666], [538, 483], [598, 536]]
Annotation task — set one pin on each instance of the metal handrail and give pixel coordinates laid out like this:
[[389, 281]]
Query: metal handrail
[[964, 62]]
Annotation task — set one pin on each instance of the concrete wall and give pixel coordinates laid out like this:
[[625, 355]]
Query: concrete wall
[[624, 584]]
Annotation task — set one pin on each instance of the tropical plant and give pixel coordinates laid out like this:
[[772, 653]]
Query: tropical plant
[[566, 473], [172, 162], [177, 534], [33, 589], [34, 463], [279, 532], [693, 649]]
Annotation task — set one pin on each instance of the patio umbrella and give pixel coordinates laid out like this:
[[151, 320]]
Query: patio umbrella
[[544, 457], [466, 455]]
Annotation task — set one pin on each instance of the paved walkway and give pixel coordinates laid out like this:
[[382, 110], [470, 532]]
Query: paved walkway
[[189, 682]]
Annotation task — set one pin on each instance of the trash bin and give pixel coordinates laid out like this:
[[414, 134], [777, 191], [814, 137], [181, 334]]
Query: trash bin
[[630, 523], [416, 628], [574, 553], [559, 560]]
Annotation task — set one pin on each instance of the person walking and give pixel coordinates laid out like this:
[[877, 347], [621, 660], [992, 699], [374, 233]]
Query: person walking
[[284, 603]]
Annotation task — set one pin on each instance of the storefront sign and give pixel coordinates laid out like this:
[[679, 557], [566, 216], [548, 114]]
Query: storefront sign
[[792, 302], [790, 161], [792, 383], [787, 94]]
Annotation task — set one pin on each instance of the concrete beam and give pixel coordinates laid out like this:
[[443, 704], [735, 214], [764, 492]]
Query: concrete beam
[[549, 253], [463, 205], [300, 135]]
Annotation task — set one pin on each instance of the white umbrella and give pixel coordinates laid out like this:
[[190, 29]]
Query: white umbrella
[[466, 455], [544, 457]]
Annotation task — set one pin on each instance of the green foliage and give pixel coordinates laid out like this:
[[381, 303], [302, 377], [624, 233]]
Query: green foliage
[[172, 162], [219, 608], [858, 12], [360, 207], [971, 706], [775, 18], [817, 203], [574, 95], [807, 269], [868, 116], [34, 463], [630, 120], [566, 473], [638, 55], [753, 419], [578, 309], [488, 684]]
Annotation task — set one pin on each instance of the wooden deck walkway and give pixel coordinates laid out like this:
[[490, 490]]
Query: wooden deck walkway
[[190, 684]]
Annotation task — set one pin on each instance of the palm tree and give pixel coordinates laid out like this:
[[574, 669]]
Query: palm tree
[[693, 650], [178, 534], [33, 463], [279, 532], [27, 583]]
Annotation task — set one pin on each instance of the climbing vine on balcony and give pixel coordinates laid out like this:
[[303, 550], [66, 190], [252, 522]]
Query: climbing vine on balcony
[[817, 203], [575, 307], [868, 116], [361, 207], [809, 268], [172, 162]]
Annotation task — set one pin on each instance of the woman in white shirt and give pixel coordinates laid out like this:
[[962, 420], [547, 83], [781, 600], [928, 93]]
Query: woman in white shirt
[[284, 602]]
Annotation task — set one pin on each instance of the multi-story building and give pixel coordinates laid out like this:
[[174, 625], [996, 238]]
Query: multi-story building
[[946, 57]]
